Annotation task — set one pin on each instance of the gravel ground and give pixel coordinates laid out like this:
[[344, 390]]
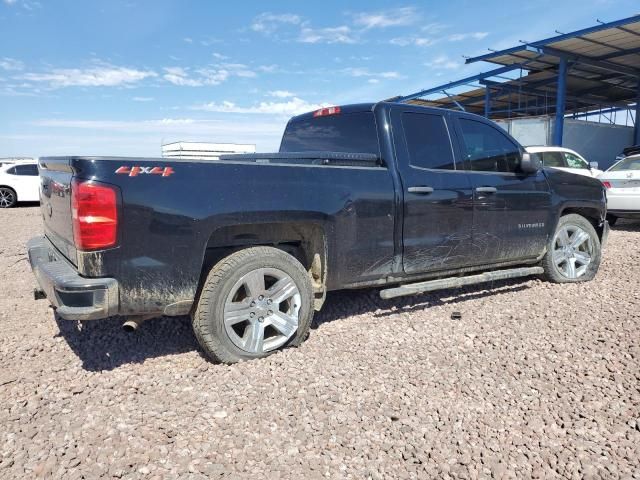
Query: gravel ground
[[535, 381]]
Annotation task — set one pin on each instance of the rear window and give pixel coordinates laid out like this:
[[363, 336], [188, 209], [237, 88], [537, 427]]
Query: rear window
[[349, 133], [630, 163]]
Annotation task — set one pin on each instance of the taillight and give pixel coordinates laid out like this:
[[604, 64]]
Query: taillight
[[606, 184], [323, 112], [94, 209]]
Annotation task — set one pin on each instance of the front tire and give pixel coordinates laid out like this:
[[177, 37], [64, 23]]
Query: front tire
[[254, 302], [574, 252], [8, 197]]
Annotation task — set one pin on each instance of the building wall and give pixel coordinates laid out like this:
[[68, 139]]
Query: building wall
[[597, 142]]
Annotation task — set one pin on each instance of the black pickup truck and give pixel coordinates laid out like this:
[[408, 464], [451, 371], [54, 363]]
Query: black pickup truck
[[387, 194]]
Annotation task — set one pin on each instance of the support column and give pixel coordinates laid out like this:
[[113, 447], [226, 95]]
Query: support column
[[487, 101], [561, 96], [636, 124]]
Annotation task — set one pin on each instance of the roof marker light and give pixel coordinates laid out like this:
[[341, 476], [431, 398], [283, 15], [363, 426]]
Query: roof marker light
[[323, 112]]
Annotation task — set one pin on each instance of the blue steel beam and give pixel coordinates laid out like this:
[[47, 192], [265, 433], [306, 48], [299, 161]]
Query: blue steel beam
[[560, 100], [487, 101], [601, 64], [473, 78], [558, 38], [636, 125]]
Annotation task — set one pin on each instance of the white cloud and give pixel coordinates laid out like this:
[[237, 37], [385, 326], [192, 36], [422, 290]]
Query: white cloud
[[101, 76], [214, 75], [394, 17], [219, 56], [269, 22], [143, 99], [457, 37], [11, 64], [294, 106], [268, 68], [188, 40], [365, 72], [417, 41], [373, 80], [238, 69], [281, 94], [179, 76], [443, 62], [342, 34], [10, 2], [433, 28]]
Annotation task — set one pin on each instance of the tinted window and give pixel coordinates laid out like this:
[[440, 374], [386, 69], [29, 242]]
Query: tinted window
[[30, 169], [488, 149], [575, 162], [350, 133], [428, 141], [553, 159], [631, 163]]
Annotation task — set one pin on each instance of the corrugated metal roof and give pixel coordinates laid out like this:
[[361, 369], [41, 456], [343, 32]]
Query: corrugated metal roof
[[603, 70]]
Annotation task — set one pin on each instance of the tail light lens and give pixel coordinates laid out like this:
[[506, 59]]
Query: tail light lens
[[606, 184], [94, 209]]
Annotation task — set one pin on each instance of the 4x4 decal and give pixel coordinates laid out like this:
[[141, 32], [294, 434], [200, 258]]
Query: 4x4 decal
[[136, 170]]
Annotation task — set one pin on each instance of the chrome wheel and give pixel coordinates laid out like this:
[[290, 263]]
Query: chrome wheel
[[7, 198], [572, 251], [261, 311]]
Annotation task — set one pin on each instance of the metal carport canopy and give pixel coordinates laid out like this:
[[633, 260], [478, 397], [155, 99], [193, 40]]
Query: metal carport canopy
[[586, 70]]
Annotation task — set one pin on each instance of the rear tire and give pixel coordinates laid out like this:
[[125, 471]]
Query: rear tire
[[8, 197], [253, 303], [574, 252]]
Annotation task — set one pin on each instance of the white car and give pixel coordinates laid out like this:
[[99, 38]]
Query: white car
[[19, 182], [622, 182], [565, 159]]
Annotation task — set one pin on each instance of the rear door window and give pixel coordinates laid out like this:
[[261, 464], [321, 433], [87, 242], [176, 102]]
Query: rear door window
[[487, 149], [27, 170], [348, 133], [428, 141]]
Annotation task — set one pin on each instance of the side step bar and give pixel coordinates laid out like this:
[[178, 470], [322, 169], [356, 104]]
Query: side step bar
[[453, 282]]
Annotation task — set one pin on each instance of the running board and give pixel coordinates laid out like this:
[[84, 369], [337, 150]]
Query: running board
[[453, 282]]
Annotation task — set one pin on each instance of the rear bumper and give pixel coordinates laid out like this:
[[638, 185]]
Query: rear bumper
[[627, 202], [73, 296]]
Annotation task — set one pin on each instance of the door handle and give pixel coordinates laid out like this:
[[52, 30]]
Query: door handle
[[420, 190], [486, 189]]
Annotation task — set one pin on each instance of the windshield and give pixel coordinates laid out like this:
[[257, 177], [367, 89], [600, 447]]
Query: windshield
[[629, 163]]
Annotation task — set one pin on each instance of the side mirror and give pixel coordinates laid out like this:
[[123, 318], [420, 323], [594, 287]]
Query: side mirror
[[530, 163], [593, 165]]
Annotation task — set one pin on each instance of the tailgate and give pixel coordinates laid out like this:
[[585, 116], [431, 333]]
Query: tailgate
[[55, 203]]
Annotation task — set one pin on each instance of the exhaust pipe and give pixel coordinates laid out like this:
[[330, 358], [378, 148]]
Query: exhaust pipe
[[133, 322]]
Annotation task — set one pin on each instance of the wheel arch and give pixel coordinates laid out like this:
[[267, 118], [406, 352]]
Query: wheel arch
[[592, 214], [305, 241]]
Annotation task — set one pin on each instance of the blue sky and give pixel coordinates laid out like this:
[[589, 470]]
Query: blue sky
[[121, 77]]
